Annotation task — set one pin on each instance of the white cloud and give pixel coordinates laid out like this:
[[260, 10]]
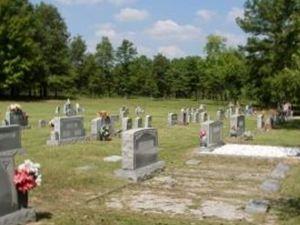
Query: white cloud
[[106, 30], [86, 2], [169, 29], [205, 14], [130, 14], [171, 51], [234, 13]]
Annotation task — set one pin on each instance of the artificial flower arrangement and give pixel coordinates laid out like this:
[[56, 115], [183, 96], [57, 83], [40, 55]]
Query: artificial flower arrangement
[[203, 138], [27, 176]]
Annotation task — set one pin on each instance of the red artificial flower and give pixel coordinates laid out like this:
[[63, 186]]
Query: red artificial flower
[[24, 181], [202, 133]]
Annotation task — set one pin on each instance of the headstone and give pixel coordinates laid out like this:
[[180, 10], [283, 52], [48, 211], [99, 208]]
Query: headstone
[[172, 119], [280, 172], [220, 115], [10, 145], [123, 112], [16, 116], [126, 124], [115, 118], [269, 123], [237, 125], [139, 111], [260, 121], [99, 123], [148, 121], [213, 134], [189, 118], [196, 117], [66, 130], [69, 109], [203, 117], [138, 122], [42, 123], [202, 107], [57, 111], [183, 117], [139, 154]]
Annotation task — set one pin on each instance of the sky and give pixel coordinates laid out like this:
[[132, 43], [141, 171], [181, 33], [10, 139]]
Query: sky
[[174, 28]]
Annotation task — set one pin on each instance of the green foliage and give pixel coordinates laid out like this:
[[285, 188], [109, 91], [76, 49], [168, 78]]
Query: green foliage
[[274, 30]]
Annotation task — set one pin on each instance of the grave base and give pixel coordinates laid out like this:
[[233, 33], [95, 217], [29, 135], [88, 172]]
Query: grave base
[[66, 141], [210, 148], [141, 173], [19, 217]]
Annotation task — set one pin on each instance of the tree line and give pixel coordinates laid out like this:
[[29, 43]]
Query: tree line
[[38, 57]]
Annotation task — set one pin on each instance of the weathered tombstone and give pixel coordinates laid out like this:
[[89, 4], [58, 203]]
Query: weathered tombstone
[[148, 121], [139, 111], [138, 122], [196, 117], [257, 206], [189, 118], [237, 125], [66, 130], [269, 123], [139, 154], [172, 119], [123, 112], [203, 117], [57, 110], [183, 117], [10, 145], [115, 118], [69, 109], [16, 116], [270, 185], [126, 124], [213, 134], [260, 121], [99, 123], [220, 115], [42, 123]]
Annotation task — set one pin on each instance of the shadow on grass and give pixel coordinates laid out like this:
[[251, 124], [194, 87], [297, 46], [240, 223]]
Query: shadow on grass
[[289, 125], [43, 215], [287, 208]]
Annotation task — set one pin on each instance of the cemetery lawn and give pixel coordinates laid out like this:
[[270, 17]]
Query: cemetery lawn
[[75, 173]]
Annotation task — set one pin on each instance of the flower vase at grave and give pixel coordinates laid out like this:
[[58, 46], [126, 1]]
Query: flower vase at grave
[[22, 199]]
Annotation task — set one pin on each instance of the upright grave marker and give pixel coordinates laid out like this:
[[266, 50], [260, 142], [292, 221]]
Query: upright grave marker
[[103, 123], [139, 154], [212, 132], [172, 119], [237, 125], [148, 121], [10, 145], [16, 116]]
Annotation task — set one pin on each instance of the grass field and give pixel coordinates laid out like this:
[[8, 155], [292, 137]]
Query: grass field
[[62, 198]]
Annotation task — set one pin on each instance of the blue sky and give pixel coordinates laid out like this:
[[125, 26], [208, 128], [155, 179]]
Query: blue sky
[[172, 27]]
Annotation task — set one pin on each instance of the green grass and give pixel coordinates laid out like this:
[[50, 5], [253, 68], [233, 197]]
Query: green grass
[[62, 197]]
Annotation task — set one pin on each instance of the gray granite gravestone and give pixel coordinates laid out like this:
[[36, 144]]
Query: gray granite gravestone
[[172, 119], [260, 121], [270, 185], [10, 145], [126, 124], [138, 122], [66, 130], [123, 112], [98, 123], [257, 206], [16, 118], [139, 154], [148, 121], [237, 125], [214, 132]]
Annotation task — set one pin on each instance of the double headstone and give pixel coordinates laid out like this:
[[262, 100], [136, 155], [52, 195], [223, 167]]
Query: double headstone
[[237, 125], [139, 154], [66, 130]]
